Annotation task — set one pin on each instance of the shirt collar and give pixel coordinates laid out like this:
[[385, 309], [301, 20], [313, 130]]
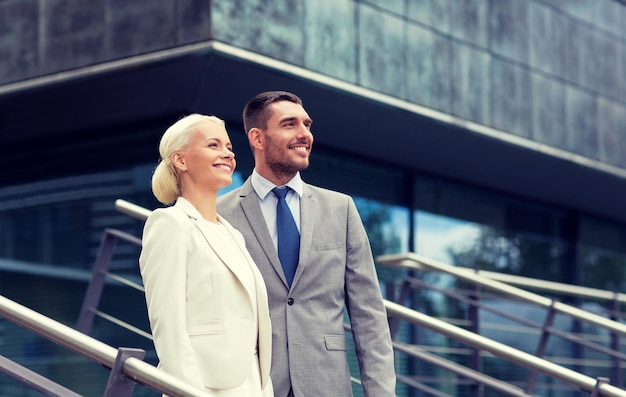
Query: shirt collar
[[263, 187]]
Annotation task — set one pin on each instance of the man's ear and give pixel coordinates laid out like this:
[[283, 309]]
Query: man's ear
[[178, 160], [256, 138]]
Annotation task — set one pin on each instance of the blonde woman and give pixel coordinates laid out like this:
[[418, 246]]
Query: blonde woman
[[206, 299]]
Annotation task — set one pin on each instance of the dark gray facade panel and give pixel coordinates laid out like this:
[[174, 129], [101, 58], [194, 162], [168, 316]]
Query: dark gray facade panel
[[510, 97], [393, 6], [580, 9], [598, 62], [194, 20], [229, 22], [608, 56], [381, 52], [620, 73], [428, 57], [481, 60], [73, 34], [608, 15], [612, 132], [141, 27], [433, 13], [580, 120], [612, 15], [548, 111], [508, 35], [546, 39], [580, 63], [275, 29], [19, 40], [470, 83], [575, 51], [331, 38], [440, 84], [469, 21]]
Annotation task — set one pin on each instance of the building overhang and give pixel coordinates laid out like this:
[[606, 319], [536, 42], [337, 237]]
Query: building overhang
[[101, 104]]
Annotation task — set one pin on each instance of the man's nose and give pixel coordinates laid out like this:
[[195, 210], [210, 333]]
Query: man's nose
[[304, 130]]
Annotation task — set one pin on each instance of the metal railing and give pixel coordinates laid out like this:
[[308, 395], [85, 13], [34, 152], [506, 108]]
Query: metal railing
[[126, 365], [481, 282], [598, 387], [415, 261], [127, 362], [535, 364], [100, 273], [611, 297]]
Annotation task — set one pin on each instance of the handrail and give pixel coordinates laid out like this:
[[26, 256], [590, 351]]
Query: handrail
[[419, 262], [527, 325], [133, 368], [478, 377], [498, 349], [99, 275], [550, 286], [141, 213], [502, 386], [532, 362], [34, 380], [131, 209]]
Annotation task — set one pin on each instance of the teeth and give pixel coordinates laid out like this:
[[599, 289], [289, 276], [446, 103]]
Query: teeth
[[300, 148], [223, 166]]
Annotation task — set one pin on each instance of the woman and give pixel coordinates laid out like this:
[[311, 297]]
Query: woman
[[206, 299]]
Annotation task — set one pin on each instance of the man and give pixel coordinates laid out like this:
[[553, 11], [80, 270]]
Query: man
[[334, 268]]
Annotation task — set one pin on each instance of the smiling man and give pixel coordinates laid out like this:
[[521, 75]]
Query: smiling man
[[329, 266]]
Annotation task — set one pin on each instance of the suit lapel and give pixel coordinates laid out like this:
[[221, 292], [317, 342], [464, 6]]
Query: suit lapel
[[308, 214], [254, 215], [222, 252]]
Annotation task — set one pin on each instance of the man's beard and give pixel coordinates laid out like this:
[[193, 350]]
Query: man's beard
[[279, 160], [281, 163], [282, 168]]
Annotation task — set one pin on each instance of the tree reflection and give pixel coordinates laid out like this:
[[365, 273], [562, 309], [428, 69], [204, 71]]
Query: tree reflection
[[385, 226]]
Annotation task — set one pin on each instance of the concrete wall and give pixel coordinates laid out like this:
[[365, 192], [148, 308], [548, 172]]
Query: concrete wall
[[553, 71]]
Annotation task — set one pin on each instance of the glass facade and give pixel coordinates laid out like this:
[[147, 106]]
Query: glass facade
[[51, 229]]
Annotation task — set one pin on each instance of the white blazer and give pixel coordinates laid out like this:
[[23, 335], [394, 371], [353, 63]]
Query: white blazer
[[200, 309]]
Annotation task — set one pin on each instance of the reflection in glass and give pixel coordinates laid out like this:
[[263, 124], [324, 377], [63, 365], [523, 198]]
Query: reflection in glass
[[387, 227], [463, 227]]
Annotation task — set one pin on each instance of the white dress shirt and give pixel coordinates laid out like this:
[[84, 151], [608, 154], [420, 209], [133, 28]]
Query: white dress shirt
[[268, 201]]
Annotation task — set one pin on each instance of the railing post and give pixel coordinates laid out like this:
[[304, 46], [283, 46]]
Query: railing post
[[120, 385], [596, 389], [34, 380], [543, 343], [616, 369], [96, 284], [474, 317], [394, 322]]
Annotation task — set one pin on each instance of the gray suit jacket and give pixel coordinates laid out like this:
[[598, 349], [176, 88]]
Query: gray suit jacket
[[335, 271]]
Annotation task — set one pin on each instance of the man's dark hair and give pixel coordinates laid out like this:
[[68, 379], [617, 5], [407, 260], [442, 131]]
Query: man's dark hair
[[256, 114]]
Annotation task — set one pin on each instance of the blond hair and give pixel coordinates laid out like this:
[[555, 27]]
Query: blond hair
[[165, 182]]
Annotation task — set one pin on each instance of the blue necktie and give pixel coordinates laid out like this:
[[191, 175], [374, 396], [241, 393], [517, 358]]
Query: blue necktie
[[288, 235]]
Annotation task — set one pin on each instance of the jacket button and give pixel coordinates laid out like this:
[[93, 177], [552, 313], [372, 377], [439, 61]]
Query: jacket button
[[290, 301]]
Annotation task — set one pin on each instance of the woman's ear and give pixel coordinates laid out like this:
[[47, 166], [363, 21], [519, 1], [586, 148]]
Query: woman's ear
[[178, 160], [256, 138]]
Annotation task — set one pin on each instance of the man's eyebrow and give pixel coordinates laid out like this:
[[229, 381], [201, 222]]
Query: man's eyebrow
[[294, 118], [288, 118]]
